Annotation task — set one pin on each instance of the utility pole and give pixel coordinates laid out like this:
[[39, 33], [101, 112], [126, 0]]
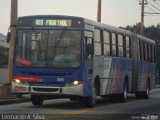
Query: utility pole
[[142, 18], [99, 11], [13, 21]]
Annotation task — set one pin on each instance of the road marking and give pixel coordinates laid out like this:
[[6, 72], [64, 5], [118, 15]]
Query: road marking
[[67, 114]]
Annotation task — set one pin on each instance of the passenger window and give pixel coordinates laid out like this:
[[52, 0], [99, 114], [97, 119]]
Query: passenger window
[[128, 47], [106, 36], [98, 42], [120, 46], [114, 46], [106, 50], [97, 36], [107, 46], [113, 39]]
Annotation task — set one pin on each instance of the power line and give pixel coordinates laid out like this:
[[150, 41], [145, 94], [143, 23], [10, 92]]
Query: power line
[[152, 5], [151, 13], [154, 1], [151, 9]]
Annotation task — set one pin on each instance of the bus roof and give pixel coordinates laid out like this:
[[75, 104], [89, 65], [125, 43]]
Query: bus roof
[[116, 29], [92, 23], [107, 27], [50, 16], [146, 39], [86, 21]]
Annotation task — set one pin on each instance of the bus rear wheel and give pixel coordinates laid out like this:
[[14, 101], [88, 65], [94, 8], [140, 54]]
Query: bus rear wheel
[[124, 95], [37, 99], [144, 94]]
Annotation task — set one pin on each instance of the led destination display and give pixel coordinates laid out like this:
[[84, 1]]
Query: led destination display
[[52, 22], [49, 22]]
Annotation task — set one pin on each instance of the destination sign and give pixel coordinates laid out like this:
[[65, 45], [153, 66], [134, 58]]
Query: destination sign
[[52, 22], [49, 22]]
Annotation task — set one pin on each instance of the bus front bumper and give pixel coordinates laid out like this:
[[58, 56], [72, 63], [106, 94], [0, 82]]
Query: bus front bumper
[[47, 90]]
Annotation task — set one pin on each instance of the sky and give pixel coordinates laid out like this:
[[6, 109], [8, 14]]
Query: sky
[[114, 12]]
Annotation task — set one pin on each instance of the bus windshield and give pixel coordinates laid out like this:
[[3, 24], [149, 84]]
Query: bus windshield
[[48, 48]]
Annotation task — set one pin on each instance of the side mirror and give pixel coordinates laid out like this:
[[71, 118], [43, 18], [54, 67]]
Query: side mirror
[[8, 37]]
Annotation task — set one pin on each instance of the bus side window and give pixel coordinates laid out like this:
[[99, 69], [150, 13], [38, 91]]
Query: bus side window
[[107, 43], [141, 49], [98, 42], [149, 53], [114, 45], [120, 45], [128, 47], [144, 52], [153, 53], [89, 49]]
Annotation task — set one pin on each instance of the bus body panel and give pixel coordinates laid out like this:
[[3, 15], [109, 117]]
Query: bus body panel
[[120, 70], [146, 73], [48, 90], [47, 79], [88, 77], [112, 73]]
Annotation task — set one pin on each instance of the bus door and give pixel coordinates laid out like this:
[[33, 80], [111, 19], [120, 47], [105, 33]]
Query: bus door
[[88, 63]]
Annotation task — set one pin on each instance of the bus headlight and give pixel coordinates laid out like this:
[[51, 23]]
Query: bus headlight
[[18, 81], [74, 83]]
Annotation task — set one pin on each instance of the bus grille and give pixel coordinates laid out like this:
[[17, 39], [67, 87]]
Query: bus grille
[[45, 89]]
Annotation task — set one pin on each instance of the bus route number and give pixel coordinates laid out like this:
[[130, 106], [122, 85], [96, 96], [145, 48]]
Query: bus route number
[[60, 79]]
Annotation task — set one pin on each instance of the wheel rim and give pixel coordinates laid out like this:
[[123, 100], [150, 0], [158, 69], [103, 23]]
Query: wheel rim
[[147, 91], [125, 92]]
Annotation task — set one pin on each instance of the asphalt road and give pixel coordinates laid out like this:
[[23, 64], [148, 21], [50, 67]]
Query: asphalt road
[[64, 109]]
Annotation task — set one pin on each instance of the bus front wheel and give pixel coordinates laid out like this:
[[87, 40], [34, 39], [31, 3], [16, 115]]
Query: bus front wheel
[[37, 99], [91, 100]]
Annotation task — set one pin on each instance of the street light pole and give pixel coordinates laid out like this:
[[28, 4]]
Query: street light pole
[[142, 18], [13, 21], [99, 11]]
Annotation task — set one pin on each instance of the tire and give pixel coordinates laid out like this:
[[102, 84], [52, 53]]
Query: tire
[[124, 95], [37, 99], [143, 95], [146, 93], [73, 99], [91, 100], [76, 99]]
